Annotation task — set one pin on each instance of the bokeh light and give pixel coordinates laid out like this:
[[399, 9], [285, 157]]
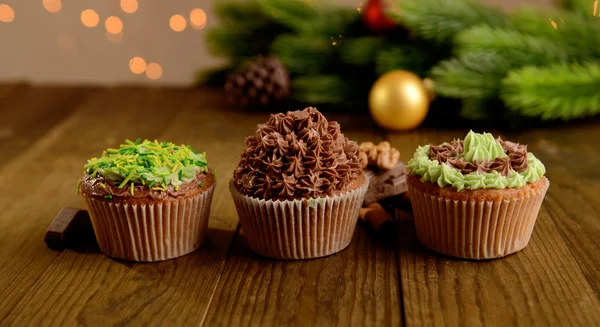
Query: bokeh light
[[154, 71], [129, 6], [52, 5], [177, 23], [7, 14], [67, 42], [198, 18], [113, 25], [137, 65], [89, 18]]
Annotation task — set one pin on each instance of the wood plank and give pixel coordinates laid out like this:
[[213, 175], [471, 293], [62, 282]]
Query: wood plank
[[541, 285], [573, 200], [358, 286], [98, 290], [6, 89], [30, 112], [42, 179]]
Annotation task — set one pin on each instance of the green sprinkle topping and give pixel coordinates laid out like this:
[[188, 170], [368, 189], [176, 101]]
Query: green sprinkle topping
[[201, 184], [108, 197], [192, 149], [148, 163], [131, 189]]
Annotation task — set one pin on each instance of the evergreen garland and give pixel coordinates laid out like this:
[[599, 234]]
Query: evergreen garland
[[538, 63]]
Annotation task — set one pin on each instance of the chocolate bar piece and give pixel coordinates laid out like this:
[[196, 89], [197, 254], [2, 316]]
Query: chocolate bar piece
[[385, 184], [69, 226]]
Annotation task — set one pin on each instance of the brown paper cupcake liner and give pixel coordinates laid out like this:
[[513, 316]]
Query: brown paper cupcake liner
[[476, 228], [299, 229], [150, 232]]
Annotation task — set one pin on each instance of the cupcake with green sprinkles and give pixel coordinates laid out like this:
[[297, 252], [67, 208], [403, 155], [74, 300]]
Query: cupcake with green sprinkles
[[476, 198], [148, 200]]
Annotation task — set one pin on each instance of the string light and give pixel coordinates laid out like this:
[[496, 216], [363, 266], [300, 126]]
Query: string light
[[198, 18], [89, 18], [113, 25], [595, 8], [177, 23], [129, 6], [66, 41], [52, 5], [154, 70], [137, 65], [7, 14]]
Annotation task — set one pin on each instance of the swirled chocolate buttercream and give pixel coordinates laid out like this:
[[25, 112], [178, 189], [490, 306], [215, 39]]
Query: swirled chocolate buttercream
[[514, 157], [297, 155]]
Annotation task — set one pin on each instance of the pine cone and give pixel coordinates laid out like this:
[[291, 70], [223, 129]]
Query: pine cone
[[264, 82]]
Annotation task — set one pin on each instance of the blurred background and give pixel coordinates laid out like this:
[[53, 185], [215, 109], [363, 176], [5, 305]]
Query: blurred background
[[497, 62], [108, 42]]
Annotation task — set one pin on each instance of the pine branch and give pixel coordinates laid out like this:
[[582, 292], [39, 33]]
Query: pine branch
[[362, 50], [332, 22], [303, 55], [516, 48], [441, 19], [577, 33], [244, 31], [470, 75], [240, 45], [405, 57], [235, 15], [319, 89], [586, 7], [291, 13], [562, 91]]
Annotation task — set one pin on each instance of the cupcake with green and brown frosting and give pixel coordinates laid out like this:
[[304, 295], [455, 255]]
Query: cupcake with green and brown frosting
[[299, 186], [148, 200], [476, 198]]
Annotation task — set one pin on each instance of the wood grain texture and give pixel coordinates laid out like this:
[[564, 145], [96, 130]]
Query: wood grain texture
[[572, 160], [98, 290], [52, 131], [52, 166], [356, 287], [30, 112], [540, 286]]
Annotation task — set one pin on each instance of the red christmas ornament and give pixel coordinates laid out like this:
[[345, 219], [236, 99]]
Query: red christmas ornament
[[375, 18]]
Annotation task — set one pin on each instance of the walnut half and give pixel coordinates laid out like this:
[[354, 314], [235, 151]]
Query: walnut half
[[382, 156]]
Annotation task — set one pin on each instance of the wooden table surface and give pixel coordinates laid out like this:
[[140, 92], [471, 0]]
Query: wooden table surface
[[48, 133]]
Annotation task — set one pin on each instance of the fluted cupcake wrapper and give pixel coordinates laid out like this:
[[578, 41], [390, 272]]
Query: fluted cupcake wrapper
[[150, 232], [299, 229], [474, 229]]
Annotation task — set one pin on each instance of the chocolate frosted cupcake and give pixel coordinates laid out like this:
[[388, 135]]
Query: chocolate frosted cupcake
[[298, 187], [148, 201], [478, 198]]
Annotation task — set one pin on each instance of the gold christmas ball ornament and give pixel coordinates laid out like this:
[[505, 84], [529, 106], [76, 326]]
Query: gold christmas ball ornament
[[399, 101]]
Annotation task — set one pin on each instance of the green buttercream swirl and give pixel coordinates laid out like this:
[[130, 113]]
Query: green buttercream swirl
[[150, 163], [482, 146], [476, 148]]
